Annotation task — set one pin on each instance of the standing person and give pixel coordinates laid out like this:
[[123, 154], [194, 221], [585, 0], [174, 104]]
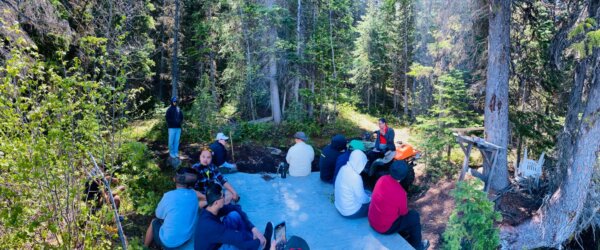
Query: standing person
[[300, 156], [388, 212], [174, 118], [176, 214], [384, 141], [351, 200], [219, 149], [329, 155], [209, 174], [220, 225]]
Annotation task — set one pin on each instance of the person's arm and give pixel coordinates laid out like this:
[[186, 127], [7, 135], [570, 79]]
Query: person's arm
[[390, 139], [161, 210], [202, 202], [289, 157], [230, 188], [180, 118], [403, 206], [358, 190]]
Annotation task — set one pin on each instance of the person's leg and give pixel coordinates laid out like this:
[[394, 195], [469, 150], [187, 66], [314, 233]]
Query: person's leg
[[176, 142], [149, 235], [171, 140], [152, 234], [233, 220], [362, 212], [410, 223]]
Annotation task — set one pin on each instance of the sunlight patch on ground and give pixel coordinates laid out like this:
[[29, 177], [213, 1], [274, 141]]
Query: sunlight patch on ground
[[138, 129], [369, 123]]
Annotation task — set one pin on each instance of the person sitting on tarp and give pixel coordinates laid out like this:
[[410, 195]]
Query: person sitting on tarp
[[329, 155], [388, 212], [221, 225], [208, 174], [384, 141], [219, 151], [300, 156], [343, 158], [176, 214], [351, 200]]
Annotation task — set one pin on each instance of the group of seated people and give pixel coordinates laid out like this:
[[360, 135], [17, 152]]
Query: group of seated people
[[201, 213], [387, 206]]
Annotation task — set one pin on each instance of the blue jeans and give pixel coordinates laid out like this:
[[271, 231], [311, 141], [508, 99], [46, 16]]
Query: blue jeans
[[362, 212], [234, 221], [174, 134]]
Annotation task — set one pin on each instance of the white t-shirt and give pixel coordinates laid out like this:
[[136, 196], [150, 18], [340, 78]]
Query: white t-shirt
[[300, 157]]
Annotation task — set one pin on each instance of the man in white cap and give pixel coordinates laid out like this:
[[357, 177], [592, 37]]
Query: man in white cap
[[219, 150], [300, 156]]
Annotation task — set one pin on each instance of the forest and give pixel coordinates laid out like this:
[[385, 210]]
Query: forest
[[92, 79]]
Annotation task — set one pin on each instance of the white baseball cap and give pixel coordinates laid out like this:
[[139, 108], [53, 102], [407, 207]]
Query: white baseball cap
[[221, 136]]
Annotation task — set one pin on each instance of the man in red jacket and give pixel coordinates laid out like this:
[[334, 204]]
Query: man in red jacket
[[388, 212]]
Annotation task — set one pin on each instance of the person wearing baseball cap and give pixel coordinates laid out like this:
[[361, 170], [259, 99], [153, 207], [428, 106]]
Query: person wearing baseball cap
[[176, 214], [388, 211], [300, 156], [219, 149], [174, 117]]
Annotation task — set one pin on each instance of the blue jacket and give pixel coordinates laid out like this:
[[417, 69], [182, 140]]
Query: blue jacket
[[219, 153], [329, 155], [174, 117], [340, 162], [211, 232]]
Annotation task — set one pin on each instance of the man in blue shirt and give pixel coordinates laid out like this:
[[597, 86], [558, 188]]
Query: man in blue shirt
[[176, 214], [234, 229]]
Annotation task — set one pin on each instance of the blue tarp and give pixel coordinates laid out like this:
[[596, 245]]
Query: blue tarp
[[306, 205]]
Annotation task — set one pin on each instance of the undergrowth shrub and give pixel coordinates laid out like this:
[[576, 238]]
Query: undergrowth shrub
[[471, 224], [145, 182]]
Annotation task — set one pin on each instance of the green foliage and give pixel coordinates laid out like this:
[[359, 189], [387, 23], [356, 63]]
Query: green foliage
[[144, 180], [49, 122], [449, 111], [471, 224]]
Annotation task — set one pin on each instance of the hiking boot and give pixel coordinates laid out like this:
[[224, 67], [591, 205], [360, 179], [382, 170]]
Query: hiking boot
[[268, 235], [425, 244]]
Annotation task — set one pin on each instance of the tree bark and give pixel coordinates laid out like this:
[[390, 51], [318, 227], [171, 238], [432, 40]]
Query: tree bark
[[556, 221], [496, 96], [406, 13], [175, 67], [272, 69], [299, 51]]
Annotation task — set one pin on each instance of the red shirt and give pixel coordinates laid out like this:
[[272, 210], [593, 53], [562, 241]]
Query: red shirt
[[382, 139], [388, 202]]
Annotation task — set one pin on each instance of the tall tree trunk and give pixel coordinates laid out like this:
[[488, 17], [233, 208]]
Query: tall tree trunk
[[406, 13], [175, 67], [248, 64], [299, 51], [496, 90], [213, 75], [332, 57], [161, 64], [272, 69], [556, 221]]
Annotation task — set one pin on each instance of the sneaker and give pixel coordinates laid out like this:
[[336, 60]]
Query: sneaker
[[268, 235], [425, 244]]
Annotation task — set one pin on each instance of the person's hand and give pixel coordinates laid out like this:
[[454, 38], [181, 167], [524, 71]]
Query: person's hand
[[235, 196], [256, 234]]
